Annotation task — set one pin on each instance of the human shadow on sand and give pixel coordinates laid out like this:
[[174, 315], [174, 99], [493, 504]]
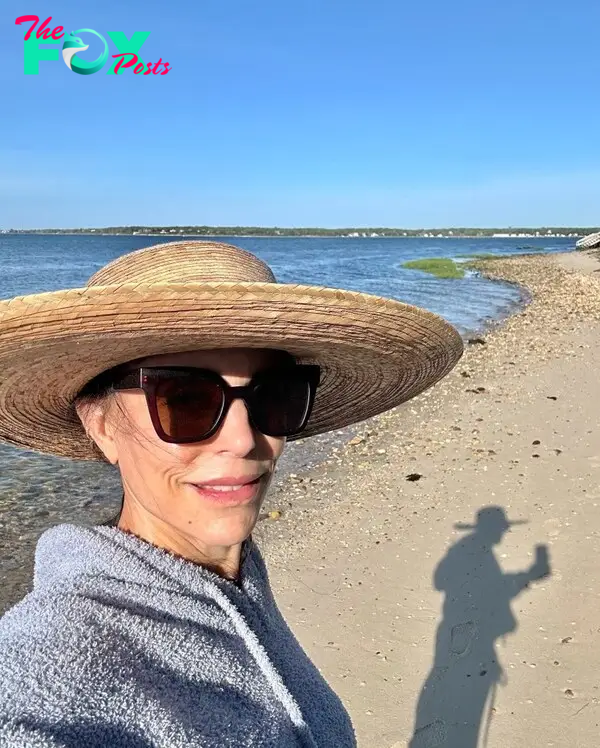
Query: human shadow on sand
[[457, 700]]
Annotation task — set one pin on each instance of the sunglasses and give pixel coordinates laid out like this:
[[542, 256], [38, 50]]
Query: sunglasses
[[188, 404]]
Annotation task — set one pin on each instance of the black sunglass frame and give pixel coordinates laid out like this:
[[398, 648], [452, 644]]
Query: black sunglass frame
[[147, 378]]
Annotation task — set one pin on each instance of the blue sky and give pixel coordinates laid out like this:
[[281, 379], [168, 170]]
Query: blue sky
[[310, 113]]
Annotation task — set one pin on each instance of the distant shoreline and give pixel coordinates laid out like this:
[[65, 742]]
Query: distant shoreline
[[350, 233]]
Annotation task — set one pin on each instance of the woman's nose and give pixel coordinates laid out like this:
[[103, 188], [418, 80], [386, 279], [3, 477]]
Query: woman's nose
[[236, 434]]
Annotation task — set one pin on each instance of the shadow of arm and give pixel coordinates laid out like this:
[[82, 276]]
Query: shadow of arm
[[540, 569]]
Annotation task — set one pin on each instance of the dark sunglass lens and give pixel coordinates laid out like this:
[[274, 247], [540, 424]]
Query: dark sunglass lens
[[280, 404], [188, 407]]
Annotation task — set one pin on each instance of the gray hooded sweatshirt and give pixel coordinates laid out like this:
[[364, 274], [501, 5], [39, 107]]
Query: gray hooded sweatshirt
[[124, 645]]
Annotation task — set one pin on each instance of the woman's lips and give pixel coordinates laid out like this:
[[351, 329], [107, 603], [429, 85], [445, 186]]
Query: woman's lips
[[229, 494]]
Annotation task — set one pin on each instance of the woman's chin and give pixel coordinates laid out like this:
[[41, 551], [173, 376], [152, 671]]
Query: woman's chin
[[229, 530]]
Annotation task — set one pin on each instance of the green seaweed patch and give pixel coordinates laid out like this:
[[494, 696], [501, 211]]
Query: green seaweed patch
[[441, 267]]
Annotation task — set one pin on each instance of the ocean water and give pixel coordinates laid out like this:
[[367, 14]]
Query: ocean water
[[37, 491], [33, 263]]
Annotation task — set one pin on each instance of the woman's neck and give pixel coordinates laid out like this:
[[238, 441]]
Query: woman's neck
[[222, 560]]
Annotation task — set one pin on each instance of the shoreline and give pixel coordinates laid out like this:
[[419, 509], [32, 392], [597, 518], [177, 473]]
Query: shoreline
[[295, 236], [502, 269], [488, 268], [329, 443]]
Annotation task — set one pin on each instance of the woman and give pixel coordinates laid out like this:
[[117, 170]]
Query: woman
[[188, 367]]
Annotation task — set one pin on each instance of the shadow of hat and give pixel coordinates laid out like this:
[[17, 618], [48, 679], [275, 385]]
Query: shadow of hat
[[491, 518]]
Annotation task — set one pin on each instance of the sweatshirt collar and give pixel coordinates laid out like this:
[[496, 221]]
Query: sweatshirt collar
[[66, 552]]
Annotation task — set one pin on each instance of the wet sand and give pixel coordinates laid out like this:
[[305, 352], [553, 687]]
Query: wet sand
[[504, 651], [506, 645]]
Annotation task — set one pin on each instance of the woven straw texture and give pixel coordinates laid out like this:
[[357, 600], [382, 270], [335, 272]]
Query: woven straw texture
[[375, 353]]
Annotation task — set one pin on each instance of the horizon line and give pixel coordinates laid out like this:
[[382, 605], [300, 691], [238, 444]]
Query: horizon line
[[229, 227]]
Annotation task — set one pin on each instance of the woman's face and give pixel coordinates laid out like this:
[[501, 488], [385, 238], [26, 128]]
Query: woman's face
[[162, 480]]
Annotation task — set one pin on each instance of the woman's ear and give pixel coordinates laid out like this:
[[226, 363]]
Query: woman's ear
[[98, 428]]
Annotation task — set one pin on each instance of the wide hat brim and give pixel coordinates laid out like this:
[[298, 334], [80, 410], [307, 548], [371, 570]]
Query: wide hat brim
[[375, 353], [499, 524]]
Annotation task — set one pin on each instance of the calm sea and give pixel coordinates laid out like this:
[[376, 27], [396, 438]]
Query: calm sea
[[31, 264], [38, 491]]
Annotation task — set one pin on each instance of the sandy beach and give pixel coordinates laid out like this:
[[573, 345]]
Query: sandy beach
[[437, 622]]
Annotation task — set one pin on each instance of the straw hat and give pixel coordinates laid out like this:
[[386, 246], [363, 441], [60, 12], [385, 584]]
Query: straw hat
[[375, 353]]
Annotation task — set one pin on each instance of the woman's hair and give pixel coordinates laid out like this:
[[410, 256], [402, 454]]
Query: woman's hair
[[96, 391]]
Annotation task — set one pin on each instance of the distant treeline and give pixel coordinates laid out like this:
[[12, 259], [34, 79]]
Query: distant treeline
[[351, 232]]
